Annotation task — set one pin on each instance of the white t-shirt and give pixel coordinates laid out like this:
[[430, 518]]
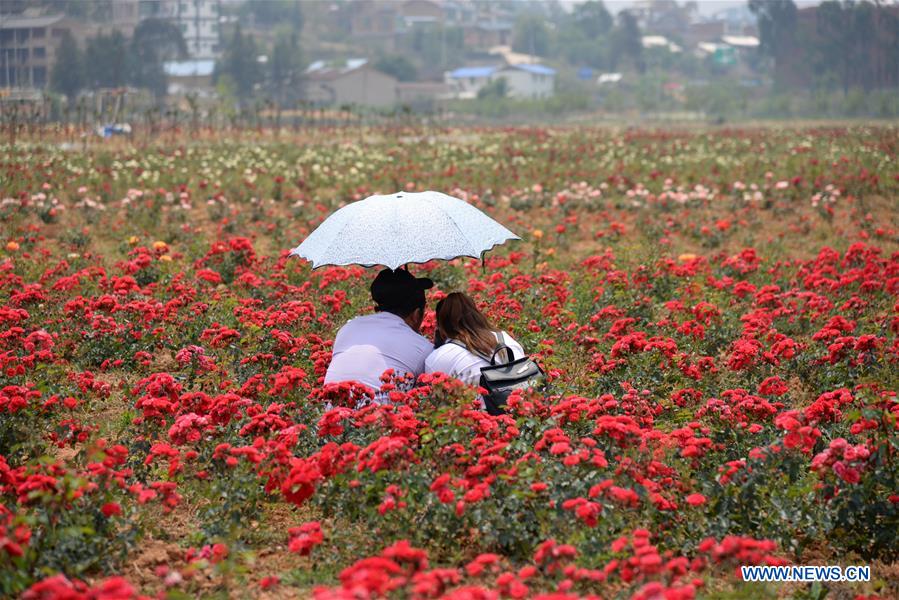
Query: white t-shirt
[[464, 365], [369, 345]]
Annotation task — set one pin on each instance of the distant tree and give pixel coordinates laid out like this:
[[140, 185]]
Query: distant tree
[[829, 58], [498, 88], [862, 34], [531, 36], [777, 27], [154, 41], [582, 37], [436, 48], [67, 75], [93, 10], [239, 62], [627, 41], [275, 12], [398, 66], [592, 19], [106, 60], [846, 42], [285, 64]]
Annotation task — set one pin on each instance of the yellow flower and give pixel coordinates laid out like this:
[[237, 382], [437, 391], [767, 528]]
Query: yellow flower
[[538, 234], [686, 257], [157, 245], [165, 258], [133, 240]]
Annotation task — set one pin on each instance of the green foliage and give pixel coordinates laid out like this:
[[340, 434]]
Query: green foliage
[[67, 75], [531, 36], [70, 533], [849, 44], [239, 62], [626, 44], [154, 41], [436, 49], [777, 25], [285, 64], [111, 60], [106, 60], [232, 497], [495, 107], [275, 12], [498, 88], [592, 19], [397, 66]]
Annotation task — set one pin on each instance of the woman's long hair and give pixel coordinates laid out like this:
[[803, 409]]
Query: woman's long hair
[[458, 318]]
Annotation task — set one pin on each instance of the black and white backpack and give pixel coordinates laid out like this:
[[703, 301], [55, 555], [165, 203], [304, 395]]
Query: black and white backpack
[[502, 378]]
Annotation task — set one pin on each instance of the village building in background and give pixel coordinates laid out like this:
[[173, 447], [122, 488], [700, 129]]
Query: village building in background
[[523, 81], [199, 21], [28, 44], [350, 82], [389, 55], [190, 77]]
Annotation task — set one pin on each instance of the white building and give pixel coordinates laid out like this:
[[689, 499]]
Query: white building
[[350, 82], [522, 80], [199, 23], [466, 82], [190, 77], [659, 41], [528, 81]]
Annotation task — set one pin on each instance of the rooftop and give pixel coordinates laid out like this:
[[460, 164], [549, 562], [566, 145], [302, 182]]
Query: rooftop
[[330, 69], [535, 69], [741, 41], [188, 68], [513, 58], [476, 72], [486, 72], [659, 41], [28, 19]]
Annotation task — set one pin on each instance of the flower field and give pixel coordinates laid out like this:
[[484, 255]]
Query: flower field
[[717, 312]]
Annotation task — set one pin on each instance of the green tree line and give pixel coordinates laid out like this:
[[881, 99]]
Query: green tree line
[[112, 60], [248, 68], [588, 36], [836, 45]]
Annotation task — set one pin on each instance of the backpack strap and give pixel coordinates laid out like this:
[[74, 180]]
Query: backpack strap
[[464, 347], [500, 346]]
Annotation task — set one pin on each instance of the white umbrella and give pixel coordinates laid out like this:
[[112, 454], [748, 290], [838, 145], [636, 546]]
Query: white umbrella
[[402, 228]]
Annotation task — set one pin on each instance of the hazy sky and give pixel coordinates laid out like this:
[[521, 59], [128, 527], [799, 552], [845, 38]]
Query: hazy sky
[[706, 7]]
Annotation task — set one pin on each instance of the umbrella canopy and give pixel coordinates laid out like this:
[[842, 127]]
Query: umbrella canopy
[[402, 228]]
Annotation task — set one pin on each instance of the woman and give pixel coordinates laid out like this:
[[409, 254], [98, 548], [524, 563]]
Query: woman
[[466, 340]]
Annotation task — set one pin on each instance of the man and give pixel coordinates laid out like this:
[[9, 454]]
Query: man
[[369, 345]]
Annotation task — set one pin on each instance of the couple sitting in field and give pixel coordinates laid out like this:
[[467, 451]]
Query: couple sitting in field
[[369, 345]]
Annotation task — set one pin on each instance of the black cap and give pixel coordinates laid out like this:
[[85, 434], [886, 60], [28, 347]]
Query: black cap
[[399, 291]]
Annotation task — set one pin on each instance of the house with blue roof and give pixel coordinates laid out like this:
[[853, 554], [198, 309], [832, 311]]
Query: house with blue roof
[[526, 81]]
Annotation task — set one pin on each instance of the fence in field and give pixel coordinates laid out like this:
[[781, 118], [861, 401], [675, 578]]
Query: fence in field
[[110, 114]]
